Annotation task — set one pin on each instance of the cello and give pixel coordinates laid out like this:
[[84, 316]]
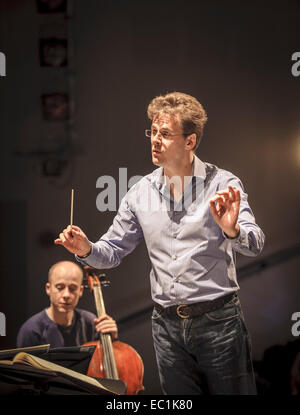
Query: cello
[[112, 359]]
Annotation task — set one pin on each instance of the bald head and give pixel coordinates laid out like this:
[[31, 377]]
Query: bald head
[[64, 288], [65, 269]]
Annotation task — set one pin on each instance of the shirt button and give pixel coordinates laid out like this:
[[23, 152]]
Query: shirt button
[[174, 257], [174, 235]]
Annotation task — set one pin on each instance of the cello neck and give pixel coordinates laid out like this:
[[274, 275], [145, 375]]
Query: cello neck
[[100, 307], [110, 367]]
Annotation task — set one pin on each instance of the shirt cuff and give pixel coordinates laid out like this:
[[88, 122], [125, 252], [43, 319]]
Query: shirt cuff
[[241, 238], [84, 260]]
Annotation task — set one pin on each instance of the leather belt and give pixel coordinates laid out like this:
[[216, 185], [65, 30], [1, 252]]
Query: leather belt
[[195, 309]]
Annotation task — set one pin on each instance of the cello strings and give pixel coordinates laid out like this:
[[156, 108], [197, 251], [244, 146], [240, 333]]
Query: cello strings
[[110, 357], [110, 367], [100, 311], [107, 368]]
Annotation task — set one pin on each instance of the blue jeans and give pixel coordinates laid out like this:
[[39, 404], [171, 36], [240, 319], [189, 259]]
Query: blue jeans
[[207, 354]]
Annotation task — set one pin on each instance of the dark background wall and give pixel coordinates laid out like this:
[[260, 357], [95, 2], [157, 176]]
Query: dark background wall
[[235, 57]]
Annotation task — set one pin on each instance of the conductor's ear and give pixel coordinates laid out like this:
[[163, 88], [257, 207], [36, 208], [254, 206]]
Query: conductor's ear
[[191, 141]]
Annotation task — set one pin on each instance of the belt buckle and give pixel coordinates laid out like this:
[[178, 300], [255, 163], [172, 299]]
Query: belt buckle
[[179, 311]]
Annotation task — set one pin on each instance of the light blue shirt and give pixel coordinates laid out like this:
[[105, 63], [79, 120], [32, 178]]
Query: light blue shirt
[[192, 259]]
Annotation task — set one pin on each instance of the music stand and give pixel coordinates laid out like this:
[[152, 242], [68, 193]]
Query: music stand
[[76, 358], [19, 379]]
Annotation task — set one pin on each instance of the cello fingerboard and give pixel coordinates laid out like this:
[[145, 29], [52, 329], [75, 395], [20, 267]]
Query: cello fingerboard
[[110, 367]]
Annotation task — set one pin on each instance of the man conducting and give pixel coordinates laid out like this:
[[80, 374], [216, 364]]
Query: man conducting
[[62, 324], [194, 217]]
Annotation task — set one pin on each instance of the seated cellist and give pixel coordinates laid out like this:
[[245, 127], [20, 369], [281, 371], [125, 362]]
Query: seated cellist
[[62, 324]]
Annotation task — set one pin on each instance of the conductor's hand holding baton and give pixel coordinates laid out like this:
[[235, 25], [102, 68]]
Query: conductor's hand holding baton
[[75, 241], [73, 238]]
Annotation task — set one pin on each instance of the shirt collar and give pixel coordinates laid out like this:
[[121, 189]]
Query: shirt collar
[[199, 170]]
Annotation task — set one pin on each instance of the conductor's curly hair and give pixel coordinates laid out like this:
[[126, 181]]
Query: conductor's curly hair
[[191, 113]]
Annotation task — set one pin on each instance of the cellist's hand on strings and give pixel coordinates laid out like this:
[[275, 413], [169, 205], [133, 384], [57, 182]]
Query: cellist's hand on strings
[[74, 240], [106, 324]]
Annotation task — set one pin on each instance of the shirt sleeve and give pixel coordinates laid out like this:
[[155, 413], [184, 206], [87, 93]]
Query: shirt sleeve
[[120, 240], [251, 238]]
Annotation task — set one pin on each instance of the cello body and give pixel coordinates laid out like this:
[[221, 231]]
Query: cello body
[[113, 359], [129, 365]]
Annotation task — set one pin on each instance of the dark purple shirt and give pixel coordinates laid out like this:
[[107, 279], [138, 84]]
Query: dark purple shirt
[[40, 329]]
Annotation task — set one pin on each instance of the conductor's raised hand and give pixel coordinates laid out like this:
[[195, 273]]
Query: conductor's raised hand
[[74, 240], [224, 207]]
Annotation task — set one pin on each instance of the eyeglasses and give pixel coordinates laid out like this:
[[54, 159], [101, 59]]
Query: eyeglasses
[[164, 134]]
